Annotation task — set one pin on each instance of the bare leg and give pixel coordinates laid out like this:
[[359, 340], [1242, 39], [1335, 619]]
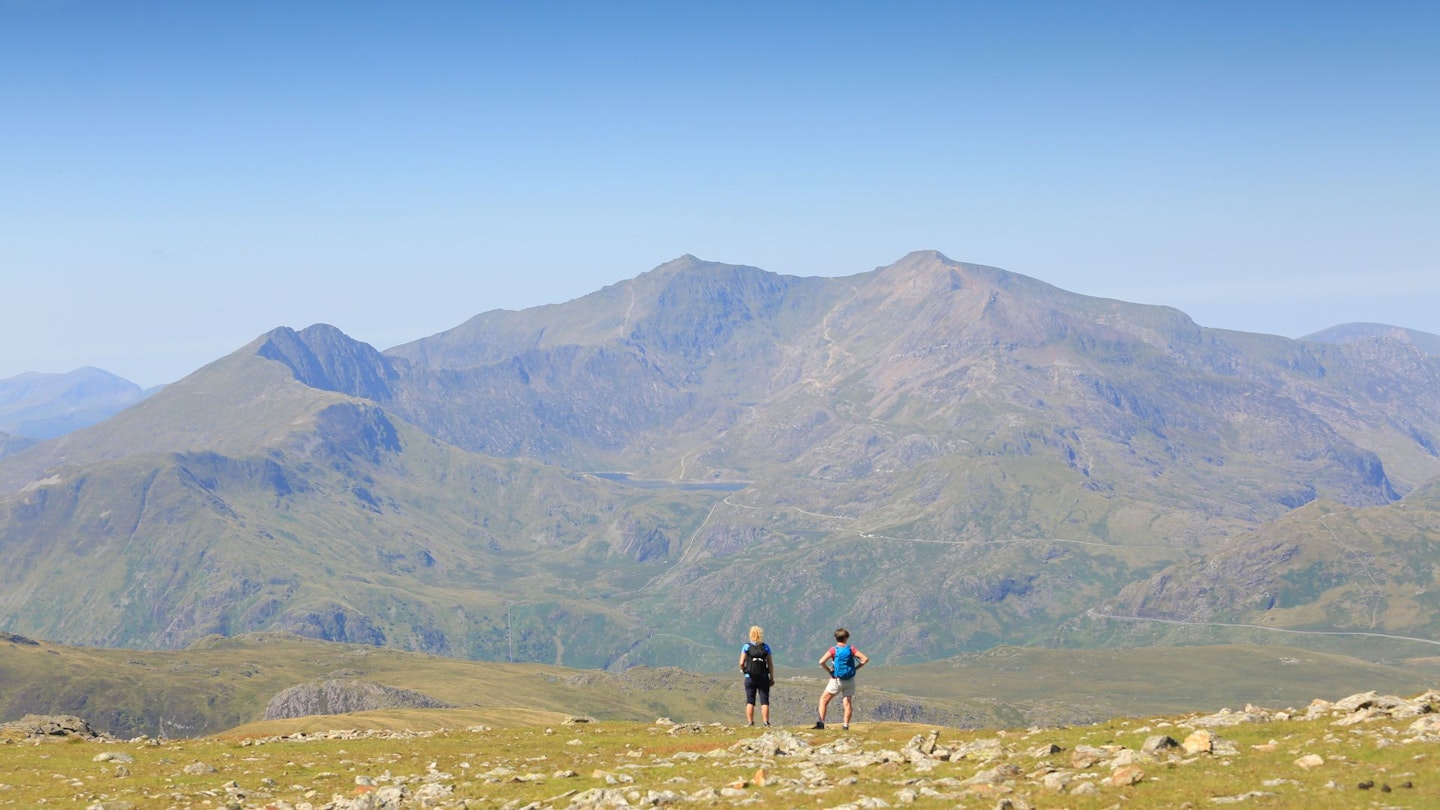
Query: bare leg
[[824, 704], [765, 713], [750, 713], [848, 708]]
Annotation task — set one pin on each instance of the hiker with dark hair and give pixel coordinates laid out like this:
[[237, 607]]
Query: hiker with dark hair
[[758, 665], [842, 662]]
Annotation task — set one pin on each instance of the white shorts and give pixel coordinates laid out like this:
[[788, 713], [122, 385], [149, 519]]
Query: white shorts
[[839, 687]]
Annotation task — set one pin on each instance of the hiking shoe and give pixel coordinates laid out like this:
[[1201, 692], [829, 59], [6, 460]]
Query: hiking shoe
[[819, 724], [845, 726]]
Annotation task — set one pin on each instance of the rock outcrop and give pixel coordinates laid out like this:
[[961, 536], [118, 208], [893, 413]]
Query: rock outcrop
[[341, 697], [33, 726]]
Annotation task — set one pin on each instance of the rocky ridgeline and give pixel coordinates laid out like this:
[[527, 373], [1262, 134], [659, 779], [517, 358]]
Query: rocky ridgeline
[[1009, 771]]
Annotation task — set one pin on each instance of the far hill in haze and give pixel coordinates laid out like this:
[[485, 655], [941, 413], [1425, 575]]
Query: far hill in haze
[[1356, 332], [43, 406]]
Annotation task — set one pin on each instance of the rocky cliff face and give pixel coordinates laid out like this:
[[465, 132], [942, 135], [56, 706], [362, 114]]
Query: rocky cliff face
[[323, 357]]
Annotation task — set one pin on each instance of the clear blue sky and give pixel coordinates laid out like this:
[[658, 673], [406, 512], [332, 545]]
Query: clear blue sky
[[177, 178]]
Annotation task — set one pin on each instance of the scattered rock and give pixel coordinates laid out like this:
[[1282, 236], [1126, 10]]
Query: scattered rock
[[924, 743], [1429, 724], [1086, 756], [998, 775], [1159, 744], [1199, 742], [1225, 717], [1241, 797], [979, 750], [1127, 775], [1057, 781], [773, 743]]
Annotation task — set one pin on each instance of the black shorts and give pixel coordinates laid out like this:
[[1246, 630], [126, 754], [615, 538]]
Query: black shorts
[[751, 691]]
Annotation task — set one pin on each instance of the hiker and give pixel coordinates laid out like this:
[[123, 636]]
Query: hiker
[[842, 662], [758, 665]]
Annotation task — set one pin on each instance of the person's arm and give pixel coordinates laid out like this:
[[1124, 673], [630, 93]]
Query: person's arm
[[825, 661], [742, 660], [860, 658], [770, 662]]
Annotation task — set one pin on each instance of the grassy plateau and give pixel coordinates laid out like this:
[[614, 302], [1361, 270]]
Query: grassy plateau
[[1271, 763]]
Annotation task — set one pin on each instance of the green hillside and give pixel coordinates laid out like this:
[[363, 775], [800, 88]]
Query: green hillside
[[1325, 568], [219, 684]]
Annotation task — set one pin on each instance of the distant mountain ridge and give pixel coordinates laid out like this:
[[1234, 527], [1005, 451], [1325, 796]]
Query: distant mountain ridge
[[947, 455], [1352, 332], [43, 406]]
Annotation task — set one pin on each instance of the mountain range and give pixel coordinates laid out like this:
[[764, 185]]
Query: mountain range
[[942, 456]]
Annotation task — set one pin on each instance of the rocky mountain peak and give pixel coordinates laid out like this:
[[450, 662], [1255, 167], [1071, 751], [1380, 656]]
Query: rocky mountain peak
[[321, 356]]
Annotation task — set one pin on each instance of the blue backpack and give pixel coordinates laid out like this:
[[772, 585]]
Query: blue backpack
[[844, 666]]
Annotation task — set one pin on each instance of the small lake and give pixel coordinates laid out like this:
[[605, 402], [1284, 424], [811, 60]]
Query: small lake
[[660, 483]]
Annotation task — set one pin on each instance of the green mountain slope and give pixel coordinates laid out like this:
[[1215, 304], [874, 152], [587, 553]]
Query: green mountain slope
[[1325, 568], [338, 523]]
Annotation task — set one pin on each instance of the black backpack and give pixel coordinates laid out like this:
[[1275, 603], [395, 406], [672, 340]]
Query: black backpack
[[757, 664]]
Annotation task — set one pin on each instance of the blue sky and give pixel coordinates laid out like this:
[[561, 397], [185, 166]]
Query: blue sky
[[177, 178]]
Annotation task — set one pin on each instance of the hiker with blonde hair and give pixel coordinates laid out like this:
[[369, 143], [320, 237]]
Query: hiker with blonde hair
[[758, 664]]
